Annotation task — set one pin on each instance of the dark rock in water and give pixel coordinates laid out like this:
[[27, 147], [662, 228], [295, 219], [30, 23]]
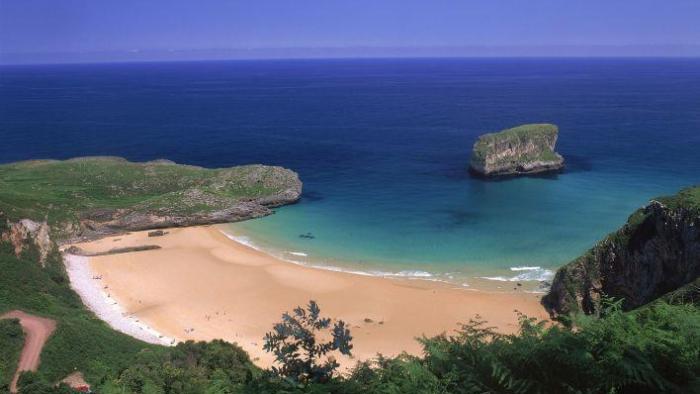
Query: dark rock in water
[[522, 150], [656, 252], [307, 236], [157, 233]]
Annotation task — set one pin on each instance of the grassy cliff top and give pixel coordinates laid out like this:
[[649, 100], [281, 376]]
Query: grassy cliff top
[[539, 133], [687, 198], [61, 191]]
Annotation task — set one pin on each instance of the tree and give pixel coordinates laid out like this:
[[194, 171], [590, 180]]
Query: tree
[[301, 355]]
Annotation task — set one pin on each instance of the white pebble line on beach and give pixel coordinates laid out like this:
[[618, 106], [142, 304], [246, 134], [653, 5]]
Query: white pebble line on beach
[[83, 281]]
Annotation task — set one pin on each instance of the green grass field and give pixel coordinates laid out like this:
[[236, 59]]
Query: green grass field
[[61, 191]]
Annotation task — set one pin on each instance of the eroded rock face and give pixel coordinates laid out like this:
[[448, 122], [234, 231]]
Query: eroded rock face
[[656, 252], [102, 222], [522, 150], [24, 231], [108, 222]]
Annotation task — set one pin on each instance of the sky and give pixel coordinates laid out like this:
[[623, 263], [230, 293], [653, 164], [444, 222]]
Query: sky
[[115, 30]]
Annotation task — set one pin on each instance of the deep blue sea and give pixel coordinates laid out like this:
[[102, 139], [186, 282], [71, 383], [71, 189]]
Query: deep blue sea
[[383, 146]]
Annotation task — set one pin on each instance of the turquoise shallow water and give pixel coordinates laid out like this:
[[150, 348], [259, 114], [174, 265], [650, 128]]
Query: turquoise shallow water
[[497, 230], [383, 145]]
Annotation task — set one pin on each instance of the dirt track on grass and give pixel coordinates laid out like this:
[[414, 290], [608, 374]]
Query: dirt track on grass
[[36, 331]]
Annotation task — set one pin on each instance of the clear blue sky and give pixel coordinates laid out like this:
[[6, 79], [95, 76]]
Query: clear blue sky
[[64, 30]]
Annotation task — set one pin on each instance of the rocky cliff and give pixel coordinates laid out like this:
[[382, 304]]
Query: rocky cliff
[[25, 232], [526, 149], [87, 198], [657, 251]]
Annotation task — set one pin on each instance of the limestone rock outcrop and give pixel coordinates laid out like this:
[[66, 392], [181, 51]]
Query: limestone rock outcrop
[[522, 150], [24, 232]]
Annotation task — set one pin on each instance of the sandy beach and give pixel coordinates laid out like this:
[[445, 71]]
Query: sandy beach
[[202, 285]]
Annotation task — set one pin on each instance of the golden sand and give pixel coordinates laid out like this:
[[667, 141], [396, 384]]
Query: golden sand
[[202, 285]]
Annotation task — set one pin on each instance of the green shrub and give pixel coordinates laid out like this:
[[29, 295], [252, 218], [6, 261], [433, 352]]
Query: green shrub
[[11, 341], [81, 341], [298, 349]]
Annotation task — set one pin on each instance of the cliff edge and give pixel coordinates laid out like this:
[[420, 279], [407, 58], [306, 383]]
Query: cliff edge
[[656, 252], [522, 150]]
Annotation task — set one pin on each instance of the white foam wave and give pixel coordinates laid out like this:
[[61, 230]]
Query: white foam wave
[[298, 254], [526, 274], [241, 240], [525, 268], [407, 274]]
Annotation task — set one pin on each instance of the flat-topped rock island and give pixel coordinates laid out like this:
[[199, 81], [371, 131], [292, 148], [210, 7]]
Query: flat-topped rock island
[[521, 150]]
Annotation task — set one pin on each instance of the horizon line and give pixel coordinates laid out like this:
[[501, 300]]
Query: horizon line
[[353, 52], [275, 59]]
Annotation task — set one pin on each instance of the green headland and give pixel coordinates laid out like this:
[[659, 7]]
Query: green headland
[[94, 196]]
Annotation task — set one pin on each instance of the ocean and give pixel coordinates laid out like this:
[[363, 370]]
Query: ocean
[[383, 145]]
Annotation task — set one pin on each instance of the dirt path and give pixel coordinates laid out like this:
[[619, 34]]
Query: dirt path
[[36, 330]]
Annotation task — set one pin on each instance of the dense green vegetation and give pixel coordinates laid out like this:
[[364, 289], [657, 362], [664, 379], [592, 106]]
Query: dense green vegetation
[[542, 135], [189, 367], [81, 341], [11, 340], [688, 198], [62, 191], [653, 350]]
